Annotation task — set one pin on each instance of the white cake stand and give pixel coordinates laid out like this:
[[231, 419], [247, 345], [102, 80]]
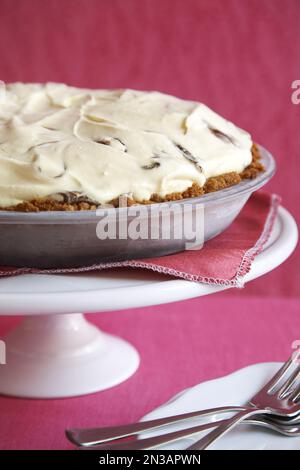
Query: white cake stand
[[55, 352]]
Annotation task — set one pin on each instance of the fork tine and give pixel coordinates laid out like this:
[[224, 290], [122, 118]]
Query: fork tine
[[285, 389], [282, 371]]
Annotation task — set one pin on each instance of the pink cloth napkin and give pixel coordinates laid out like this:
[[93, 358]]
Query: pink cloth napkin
[[224, 260]]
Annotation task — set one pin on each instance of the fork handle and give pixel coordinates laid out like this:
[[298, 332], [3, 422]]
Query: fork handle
[[95, 436], [153, 442], [225, 427]]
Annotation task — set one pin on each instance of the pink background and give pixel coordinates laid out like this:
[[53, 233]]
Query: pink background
[[239, 57]]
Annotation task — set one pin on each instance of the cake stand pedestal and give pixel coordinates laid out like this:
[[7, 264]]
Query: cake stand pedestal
[[55, 352], [63, 355]]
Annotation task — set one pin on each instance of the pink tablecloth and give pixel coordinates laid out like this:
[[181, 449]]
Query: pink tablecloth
[[180, 345]]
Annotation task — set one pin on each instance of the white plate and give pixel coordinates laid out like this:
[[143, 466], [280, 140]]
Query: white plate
[[237, 389]]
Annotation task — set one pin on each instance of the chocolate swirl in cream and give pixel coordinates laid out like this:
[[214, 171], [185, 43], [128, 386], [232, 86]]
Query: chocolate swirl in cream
[[102, 143]]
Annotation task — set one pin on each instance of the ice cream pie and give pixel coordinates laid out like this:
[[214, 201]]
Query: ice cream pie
[[67, 148]]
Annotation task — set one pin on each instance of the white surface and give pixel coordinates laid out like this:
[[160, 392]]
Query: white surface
[[63, 355], [237, 389], [126, 288]]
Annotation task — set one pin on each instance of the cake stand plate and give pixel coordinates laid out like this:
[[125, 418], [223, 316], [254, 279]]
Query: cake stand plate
[[55, 352]]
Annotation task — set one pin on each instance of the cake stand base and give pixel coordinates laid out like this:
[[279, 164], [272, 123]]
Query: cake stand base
[[54, 356]]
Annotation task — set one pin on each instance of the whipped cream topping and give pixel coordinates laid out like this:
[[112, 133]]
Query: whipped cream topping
[[106, 143]]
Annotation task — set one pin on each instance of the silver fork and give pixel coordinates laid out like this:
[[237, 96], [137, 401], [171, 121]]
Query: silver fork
[[93, 436], [275, 398], [96, 436]]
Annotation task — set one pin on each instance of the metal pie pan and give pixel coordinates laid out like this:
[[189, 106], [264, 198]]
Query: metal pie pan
[[69, 239]]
